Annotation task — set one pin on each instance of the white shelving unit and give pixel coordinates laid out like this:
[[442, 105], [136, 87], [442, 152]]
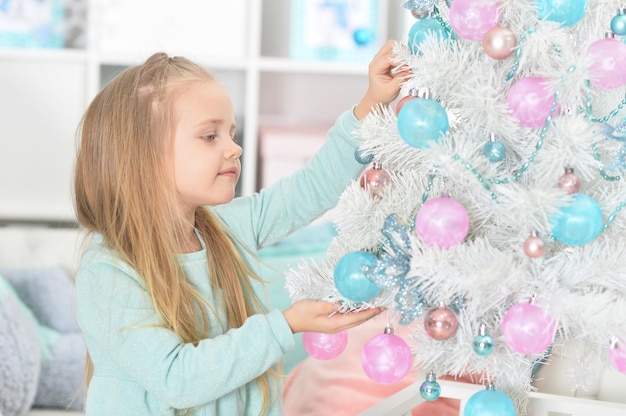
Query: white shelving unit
[[244, 42]]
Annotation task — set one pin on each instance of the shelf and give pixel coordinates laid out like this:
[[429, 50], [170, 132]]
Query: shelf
[[45, 55]]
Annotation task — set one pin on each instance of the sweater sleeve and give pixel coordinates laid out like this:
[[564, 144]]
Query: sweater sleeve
[[125, 341], [265, 217]]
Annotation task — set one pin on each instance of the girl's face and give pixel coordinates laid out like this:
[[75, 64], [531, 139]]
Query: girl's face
[[206, 157]]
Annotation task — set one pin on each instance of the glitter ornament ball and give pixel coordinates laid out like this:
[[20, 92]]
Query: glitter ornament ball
[[441, 323], [324, 346], [569, 182], [530, 100], [565, 12], [618, 23], [534, 246], [362, 158], [608, 60], [430, 389], [350, 278], [421, 122], [374, 179], [528, 329], [577, 223], [471, 19], [499, 42], [494, 150], [386, 358], [424, 29], [617, 355], [489, 403], [442, 222]]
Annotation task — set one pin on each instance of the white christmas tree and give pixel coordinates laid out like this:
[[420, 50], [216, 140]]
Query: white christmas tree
[[491, 208]]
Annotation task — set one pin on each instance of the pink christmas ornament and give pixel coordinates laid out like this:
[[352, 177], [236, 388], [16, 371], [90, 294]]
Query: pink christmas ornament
[[324, 346], [374, 179], [534, 247], [569, 182], [530, 100], [499, 42], [608, 60], [528, 329], [471, 19], [442, 222], [617, 354], [441, 323], [386, 358]]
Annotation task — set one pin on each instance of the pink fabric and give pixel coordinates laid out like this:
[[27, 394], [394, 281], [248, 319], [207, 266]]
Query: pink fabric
[[340, 387]]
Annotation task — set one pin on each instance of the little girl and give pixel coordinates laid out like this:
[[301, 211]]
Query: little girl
[[175, 317]]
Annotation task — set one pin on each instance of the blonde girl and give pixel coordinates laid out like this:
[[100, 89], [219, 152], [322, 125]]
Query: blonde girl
[[175, 317]]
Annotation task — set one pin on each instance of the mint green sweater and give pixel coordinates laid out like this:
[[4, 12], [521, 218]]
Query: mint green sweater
[[143, 369]]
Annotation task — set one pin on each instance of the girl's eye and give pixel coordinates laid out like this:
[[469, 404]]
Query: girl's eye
[[209, 137]]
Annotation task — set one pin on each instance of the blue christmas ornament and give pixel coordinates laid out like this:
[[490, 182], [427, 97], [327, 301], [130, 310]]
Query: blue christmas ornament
[[489, 402], [361, 158], [350, 276], [616, 133], [618, 23], [430, 389], [363, 37], [567, 12], [424, 29], [483, 343], [579, 222], [422, 121], [494, 150]]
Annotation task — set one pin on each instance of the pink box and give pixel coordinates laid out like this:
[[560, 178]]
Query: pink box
[[284, 149]]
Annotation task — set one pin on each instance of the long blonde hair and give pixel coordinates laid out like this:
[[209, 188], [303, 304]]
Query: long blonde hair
[[124, 190]]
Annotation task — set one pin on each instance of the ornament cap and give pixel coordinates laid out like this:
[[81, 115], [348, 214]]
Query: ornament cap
[[377, 165], [425, 94], [388, 329], [609, 35], [482, 330], [430, 377], [492, 137], [621, 10]]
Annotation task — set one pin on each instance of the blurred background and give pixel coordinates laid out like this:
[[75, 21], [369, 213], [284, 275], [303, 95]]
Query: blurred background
[[291, 67]]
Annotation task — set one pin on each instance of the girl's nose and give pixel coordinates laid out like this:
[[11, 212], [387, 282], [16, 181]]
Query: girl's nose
[[234, 151]]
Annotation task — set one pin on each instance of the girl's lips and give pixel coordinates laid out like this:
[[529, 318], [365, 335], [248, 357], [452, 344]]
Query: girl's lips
[[231, 171]]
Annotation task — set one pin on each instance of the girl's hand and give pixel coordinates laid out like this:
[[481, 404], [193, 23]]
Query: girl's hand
[[313, 316], [384, 81]]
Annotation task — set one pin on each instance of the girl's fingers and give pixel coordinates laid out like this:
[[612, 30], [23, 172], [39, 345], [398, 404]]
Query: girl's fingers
[[347, 320]]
